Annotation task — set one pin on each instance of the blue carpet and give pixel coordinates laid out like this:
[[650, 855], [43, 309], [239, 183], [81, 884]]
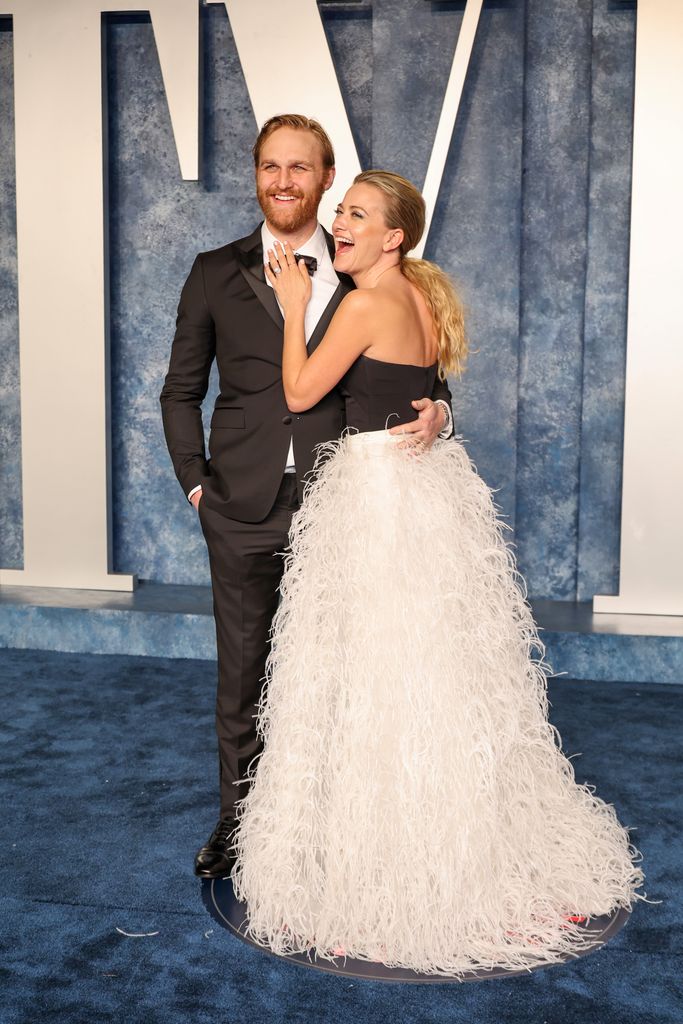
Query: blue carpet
[[108, 785]]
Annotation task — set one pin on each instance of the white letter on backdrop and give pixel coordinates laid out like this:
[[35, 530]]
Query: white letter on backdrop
[[62, 271], [267, 33], [651, 578]]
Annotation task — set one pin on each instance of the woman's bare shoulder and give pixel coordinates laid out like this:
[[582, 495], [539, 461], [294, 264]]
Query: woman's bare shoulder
[[362, 299], [361, 305]]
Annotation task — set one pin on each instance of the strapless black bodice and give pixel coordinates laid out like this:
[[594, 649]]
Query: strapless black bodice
[[378, 394]]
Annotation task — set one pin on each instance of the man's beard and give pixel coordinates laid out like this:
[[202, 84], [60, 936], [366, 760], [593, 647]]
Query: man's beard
[[284, 219]]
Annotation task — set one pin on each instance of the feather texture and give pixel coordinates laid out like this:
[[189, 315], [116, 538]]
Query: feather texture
[[412, 804]]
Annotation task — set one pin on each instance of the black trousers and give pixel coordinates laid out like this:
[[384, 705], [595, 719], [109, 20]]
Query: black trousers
[[246, 562]]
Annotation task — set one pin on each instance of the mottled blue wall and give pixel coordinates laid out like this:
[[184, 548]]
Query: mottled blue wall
[[553, 270], [11, 532], [532, 222]]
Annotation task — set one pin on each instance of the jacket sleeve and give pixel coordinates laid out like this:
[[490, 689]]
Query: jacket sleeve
[[192, 353]]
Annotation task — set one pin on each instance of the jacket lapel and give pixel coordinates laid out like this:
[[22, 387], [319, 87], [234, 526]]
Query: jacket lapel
[[344, 287], [250, 261], [327, 314]]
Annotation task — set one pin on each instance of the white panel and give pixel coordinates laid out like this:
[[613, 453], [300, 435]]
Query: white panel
[[61, 282], [266, 34], [651, 580], [176, 31]]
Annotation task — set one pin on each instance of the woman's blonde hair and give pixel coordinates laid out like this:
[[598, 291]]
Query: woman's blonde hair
[[404, 208]]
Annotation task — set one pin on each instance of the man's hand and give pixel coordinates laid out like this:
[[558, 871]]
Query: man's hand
[[426, 428], [196, 498]]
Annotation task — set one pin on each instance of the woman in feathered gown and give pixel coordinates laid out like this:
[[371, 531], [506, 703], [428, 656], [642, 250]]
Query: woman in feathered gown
[[412, 804]]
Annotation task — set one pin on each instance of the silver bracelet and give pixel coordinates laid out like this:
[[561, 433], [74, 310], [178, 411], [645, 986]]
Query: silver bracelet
[[447, 430]]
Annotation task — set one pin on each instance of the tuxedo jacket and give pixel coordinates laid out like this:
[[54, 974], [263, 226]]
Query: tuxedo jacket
[[228, 312]]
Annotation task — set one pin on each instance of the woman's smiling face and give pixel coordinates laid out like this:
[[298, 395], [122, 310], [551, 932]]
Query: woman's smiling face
[[360, 232]]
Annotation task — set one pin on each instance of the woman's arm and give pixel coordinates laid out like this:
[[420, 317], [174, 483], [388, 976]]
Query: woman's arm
[[307, 379]]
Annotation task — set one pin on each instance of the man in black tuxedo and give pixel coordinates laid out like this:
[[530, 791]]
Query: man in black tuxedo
[[260, 452]]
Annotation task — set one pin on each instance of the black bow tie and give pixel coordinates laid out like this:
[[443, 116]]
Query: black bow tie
[[310, 261]]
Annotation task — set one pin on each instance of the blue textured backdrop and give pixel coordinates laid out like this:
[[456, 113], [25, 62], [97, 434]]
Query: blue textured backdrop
[[532, 222]]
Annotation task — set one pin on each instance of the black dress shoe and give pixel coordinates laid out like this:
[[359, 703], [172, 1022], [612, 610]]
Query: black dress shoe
[[217, 857]]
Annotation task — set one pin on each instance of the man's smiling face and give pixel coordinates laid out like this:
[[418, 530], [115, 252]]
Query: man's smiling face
[[291, 179]]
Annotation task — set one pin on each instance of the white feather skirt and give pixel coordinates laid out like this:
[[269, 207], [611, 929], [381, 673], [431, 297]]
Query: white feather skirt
[[412, 804]]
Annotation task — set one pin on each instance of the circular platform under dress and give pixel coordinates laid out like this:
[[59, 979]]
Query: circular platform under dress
[[219, 899]]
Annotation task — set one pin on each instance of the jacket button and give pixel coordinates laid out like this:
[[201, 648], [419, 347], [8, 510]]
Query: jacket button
[[286, 420]]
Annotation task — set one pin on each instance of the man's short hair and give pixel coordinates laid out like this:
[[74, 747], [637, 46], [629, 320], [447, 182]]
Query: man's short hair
[[295, 121]]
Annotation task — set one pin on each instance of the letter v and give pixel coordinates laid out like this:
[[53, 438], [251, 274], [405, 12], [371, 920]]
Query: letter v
[[269, 36]]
